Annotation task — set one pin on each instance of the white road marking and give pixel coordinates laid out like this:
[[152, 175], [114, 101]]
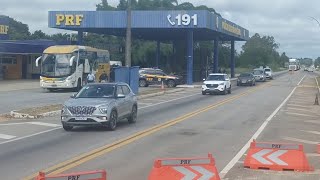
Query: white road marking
[[168, 101], [143, 103], [301, 80], [314, 122], [160, 100], [300, 140], [10, 124], [312, 154], [31, 135], [5, 136], [227, 168], [298, 114], [312, 132], [44, 124], [299, 109], [297, 105]]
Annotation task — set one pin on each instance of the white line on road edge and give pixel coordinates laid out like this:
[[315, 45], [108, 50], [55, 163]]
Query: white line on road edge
[[230, 165], [10, 124], [31, 135], [44, 124], [300, 140], [5, 136]]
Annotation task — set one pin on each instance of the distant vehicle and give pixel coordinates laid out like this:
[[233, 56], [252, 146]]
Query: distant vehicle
[[100, 104], [246, 79], [150, 76], [67, 66], [216, 83], [294, 65], [269, 73], [259, 74], [115, 63], [311, 69], [305, 69]]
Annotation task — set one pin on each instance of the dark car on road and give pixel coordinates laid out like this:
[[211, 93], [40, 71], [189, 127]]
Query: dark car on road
[[246, 79], [149, 76]]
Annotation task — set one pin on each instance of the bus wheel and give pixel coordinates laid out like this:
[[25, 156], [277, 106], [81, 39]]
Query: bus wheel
[[78, 85]]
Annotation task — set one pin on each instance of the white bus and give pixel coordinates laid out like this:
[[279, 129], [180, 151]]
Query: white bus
[[67, 66]]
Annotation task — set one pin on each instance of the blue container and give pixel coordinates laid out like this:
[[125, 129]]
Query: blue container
[[134, 79], [121, 74]]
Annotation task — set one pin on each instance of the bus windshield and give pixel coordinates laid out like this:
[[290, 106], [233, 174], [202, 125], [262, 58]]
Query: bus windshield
[[57, 65]]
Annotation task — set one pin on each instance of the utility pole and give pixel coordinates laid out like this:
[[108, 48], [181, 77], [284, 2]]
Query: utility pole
[[128, 36]]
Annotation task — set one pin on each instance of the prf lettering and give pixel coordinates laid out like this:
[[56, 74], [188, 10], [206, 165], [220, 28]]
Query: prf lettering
[[4, 29], [69, 19], [73, 177]]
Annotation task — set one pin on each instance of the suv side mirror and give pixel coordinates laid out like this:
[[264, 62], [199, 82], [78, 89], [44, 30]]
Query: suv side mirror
[[121, 96], [203, 79], [73, 95]]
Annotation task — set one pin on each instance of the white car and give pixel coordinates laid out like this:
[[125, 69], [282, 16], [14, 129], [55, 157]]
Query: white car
[[216, 83], [268, 73]]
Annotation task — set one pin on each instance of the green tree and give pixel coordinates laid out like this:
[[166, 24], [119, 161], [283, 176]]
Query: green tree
[[260, 51], [38, 34], [104, 6], [317, 62], [18, 30]]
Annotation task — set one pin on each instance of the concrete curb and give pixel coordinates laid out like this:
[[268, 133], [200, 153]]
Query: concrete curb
[[22, 115]]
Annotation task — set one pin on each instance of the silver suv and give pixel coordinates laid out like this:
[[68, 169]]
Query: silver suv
[[269, 73], [100, 105], [259, 74]]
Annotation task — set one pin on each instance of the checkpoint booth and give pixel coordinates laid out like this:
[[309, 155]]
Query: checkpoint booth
[[159, 26]]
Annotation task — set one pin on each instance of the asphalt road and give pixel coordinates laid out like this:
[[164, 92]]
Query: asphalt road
[[199, 124]]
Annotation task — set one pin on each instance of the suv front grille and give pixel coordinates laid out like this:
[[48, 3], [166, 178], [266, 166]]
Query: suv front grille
[[212, 85], [81, 110]]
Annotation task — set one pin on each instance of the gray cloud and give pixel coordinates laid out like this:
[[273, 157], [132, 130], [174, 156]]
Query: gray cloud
[[287, 20]]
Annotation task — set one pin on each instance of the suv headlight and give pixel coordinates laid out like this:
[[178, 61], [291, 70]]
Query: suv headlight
[[103, 110], [64, 110]]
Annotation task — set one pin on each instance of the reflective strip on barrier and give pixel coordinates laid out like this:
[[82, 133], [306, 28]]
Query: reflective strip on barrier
[[278, 146], [87, 175], [184, 162]]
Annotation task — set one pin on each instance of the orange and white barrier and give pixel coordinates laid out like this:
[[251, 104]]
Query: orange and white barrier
[[184, 168], [88, 175], [275, 156]]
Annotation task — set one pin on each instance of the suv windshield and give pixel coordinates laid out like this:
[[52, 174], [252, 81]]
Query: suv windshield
[[257, 72], [245, 75], [97, 91], [216, 78], [267, 70]]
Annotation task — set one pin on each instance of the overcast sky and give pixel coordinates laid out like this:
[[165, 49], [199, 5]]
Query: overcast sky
[[287, 20]]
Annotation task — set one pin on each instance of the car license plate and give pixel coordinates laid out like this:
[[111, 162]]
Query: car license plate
[[243, 81], [54, 85], [81, 118]]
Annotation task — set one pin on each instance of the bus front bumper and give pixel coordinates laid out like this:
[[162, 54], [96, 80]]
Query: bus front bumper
[[57, 84]]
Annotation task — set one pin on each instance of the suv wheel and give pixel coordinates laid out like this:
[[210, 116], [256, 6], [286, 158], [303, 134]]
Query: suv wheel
[[171, 83], [225, 90], [204, 93], [112, 125], [133, 116], [143, 83], [229, 90], [67, 128]]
